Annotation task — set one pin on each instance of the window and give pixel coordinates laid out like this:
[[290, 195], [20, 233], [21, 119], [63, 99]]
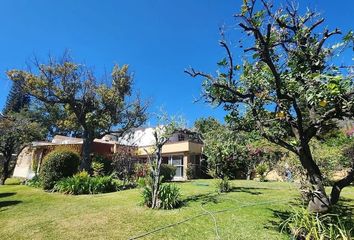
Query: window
[[164, 160], [195, 159], [181, 137], [177, 161]]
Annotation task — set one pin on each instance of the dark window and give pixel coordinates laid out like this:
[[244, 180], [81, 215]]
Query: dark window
[[165, 160], [180, 137]]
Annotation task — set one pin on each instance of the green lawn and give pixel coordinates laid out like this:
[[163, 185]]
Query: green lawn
[[249, 212]]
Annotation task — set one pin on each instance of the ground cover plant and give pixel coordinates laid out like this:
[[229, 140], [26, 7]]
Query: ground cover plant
[[83, 183], [250, 211]]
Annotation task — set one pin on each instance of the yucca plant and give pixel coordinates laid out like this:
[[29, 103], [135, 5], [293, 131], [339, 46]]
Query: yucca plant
[[302, 224], [169, 196]]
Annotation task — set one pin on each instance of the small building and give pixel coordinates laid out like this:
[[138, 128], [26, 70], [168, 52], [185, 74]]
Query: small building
[[183, 150]]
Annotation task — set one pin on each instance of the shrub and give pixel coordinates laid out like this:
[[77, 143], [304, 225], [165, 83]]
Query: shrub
[[141, 170], [34, 182], [97, 168], [302, 224], [191, 172], [58, 164], [223, 185], [167, 171], [262, 169], [169, 196], [82, 183], [107, 164]]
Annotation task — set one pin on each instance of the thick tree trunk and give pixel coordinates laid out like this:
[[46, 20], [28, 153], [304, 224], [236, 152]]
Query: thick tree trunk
[[319, 201], [5, 168], [86, 151], [339, 185], [2, 180]]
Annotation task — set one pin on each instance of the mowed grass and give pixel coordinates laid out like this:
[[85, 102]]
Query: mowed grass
[[248, 212]]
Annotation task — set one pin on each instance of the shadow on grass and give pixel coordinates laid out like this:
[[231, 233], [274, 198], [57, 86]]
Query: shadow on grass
[[203, 198], [4, 204], [250, 190], [8, 203], [7, 194]]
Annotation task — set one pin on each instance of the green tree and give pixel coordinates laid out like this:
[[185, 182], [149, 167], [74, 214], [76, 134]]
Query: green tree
[[17, 98], [16, 131], [205, 125], [286, 84], [221, 148], [96, 108], [55, 119]]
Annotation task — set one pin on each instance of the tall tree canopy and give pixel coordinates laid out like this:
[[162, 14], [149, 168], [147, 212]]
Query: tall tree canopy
[[96, 108], [17, 98], [286, 82]]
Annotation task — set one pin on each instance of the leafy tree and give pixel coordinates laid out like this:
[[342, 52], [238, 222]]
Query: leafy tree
[[16, 130], [230, 151], [286, 84], [222, 148], [97, 108], [17, 98], [205, 125], [55, 119]]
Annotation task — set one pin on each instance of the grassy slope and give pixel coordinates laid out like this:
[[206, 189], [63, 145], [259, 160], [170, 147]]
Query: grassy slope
[[29, 213]]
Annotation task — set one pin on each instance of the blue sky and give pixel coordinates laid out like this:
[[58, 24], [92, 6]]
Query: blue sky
[[157, 38]]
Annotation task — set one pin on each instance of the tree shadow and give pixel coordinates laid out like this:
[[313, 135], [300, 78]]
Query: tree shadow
[[204, 198], [7, 194], [249, 190], [7, 203], [4, 204]]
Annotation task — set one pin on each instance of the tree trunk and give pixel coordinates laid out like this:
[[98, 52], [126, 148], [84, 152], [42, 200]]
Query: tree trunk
[[156, 179], [2, 180], [5, 169], [248, 174], [319, 201], [339, 185], [86, 151]]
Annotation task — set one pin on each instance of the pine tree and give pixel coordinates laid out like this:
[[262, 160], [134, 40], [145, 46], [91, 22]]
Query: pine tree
[[17, 98]]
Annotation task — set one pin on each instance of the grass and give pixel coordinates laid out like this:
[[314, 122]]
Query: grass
[[248, 212]]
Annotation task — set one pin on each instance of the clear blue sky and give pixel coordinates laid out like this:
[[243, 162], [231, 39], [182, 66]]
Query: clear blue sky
[[157, 38]]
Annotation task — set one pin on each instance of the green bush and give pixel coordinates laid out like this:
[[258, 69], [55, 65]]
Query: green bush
[[223, 185], [304, 225], [34, 182], [141, 170], [107, 164], [169, 196], [58, 164], [167, 171], [191, 172], [82, 183], [97, 168], [262, 169]]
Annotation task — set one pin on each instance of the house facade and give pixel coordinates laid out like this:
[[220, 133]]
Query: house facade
[[183, 150]]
